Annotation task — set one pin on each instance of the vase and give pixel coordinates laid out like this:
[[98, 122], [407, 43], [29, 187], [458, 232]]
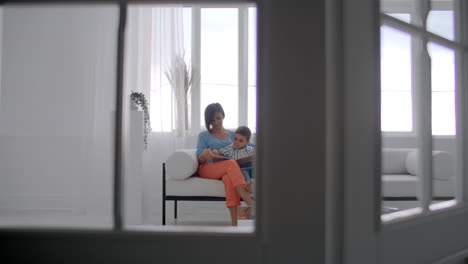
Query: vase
[[133, 106]]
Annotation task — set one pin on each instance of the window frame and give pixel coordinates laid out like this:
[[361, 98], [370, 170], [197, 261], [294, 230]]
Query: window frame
[[243, 38], [409, 8], [422, 108], [365, 239]]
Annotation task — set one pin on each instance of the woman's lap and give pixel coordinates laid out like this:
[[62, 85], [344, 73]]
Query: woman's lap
[[213, 170], [216, 171]]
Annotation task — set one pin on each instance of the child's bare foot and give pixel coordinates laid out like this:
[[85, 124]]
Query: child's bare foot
[[248, 187], [248, 212], [244, 212]]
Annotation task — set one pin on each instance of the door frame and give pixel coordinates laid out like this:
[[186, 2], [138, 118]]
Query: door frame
[[290, 225]]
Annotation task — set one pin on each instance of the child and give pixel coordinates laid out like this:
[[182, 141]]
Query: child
[[241, 151]]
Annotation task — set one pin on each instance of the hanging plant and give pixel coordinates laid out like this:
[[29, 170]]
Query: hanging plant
[[140, 100]]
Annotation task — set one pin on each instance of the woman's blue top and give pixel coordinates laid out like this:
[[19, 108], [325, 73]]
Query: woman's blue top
[[207, 141]]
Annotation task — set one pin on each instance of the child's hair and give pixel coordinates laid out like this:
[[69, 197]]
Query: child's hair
[[244, 131]]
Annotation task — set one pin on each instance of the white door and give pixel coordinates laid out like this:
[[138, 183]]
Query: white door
[[429, 236], [290, 220]]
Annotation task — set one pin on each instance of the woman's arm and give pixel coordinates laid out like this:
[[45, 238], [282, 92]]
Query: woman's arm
[[203, 150], [207, 154]]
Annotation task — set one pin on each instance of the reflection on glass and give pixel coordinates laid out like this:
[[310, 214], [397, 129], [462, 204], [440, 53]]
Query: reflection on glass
[[403, 17], [443, 123], [441, 20], [401, 173], [443, 89], [400, 179], [396, 96], [57, 115], [400, 10]]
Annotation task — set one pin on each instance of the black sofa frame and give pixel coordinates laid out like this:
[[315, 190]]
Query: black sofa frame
[[176, 198]]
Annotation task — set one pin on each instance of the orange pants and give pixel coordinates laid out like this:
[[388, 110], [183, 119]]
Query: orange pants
[[229, 172]]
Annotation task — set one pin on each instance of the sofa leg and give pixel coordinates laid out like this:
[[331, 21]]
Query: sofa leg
[[164, 211], [175, 209]]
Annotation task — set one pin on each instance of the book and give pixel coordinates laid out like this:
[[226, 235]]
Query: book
[[243, 162], [246, 161]]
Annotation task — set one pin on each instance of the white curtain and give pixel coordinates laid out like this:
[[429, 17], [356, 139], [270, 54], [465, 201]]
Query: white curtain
[[154, 40], [168, 98]]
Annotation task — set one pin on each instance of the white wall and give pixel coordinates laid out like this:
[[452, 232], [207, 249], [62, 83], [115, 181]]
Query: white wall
[[57, 113], [445, 143]]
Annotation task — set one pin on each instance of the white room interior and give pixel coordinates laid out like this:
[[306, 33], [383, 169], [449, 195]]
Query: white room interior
[[57, 140], [60, 171]]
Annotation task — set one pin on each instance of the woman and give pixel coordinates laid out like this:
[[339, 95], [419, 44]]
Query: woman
[[216, 137]]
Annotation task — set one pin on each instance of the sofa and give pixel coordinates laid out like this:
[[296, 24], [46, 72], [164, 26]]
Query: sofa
[[180, 182], [400, 172], [399, 177]]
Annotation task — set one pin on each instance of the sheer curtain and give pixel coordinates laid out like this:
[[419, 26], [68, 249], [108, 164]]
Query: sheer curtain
[[168, 97], [154, 42]]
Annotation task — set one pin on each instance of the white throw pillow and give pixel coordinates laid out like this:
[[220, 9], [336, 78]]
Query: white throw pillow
[[443, 165], [182, 164]]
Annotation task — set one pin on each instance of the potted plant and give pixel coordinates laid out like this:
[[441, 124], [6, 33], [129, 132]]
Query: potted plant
[[138, 99]]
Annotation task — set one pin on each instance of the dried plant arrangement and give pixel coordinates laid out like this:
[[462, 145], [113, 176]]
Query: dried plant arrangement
[[180, 73]]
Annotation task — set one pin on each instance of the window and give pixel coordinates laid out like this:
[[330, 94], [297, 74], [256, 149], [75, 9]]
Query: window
[[420, 56], [220, 43], [397, 77], [396, 96]]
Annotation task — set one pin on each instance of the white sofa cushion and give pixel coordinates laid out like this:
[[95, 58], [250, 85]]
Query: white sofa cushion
[[393, 161], [195, 186], [408, 186], [443, 165], [182, 164], [397, 185]]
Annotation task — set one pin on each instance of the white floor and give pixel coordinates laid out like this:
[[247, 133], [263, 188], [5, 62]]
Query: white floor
[[192, 217], [200, 216]]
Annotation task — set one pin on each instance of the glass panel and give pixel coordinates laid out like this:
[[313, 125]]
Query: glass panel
[[398, 9], [396, 96], [219, 61], [403, 17], [161, 33], [441, 19], [400, 183], [443, 123], [441, 23], [443, 89], [57, 115], [252, 35]]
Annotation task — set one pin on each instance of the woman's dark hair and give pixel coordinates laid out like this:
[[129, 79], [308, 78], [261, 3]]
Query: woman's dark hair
[[244, 131], [210, 112]]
